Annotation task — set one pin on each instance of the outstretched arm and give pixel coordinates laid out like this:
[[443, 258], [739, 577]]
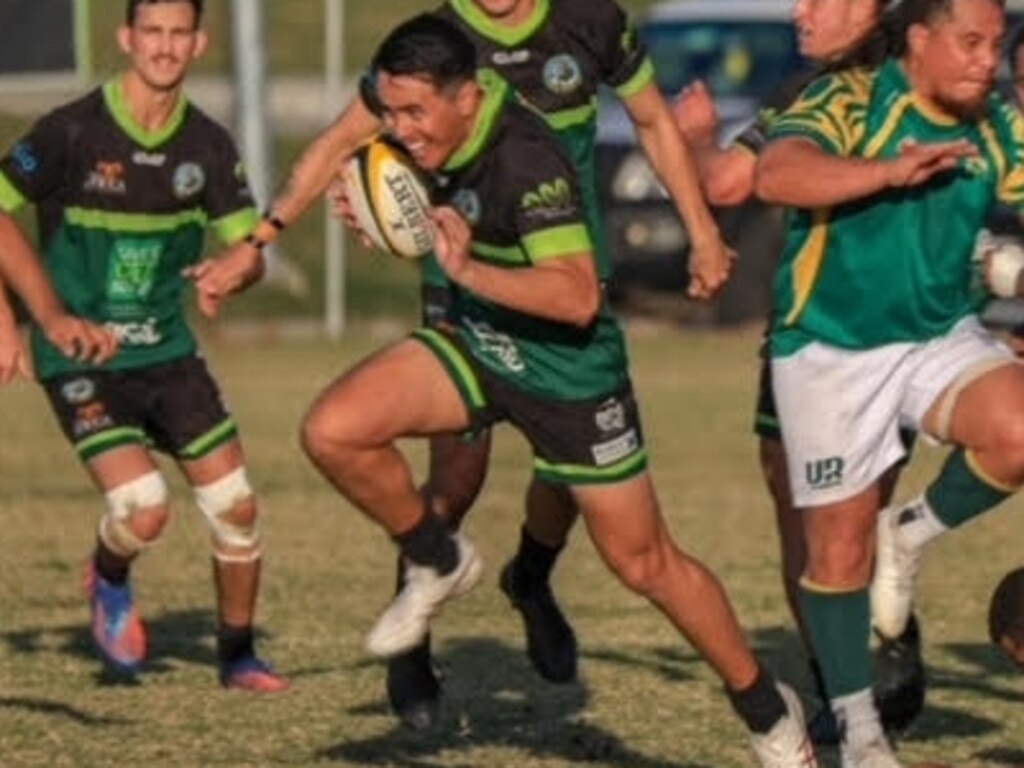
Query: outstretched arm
[[237, 267], [798, 172], [672, 159], [726, 175]]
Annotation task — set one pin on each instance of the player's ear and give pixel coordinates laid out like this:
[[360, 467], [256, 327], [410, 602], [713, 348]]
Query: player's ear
[[202, 40], [124, 38], [467, 97], [917, 37]]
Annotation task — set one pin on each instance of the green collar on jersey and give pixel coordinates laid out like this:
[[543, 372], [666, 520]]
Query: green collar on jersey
[[500, 33], [496, 91], [113, 93]]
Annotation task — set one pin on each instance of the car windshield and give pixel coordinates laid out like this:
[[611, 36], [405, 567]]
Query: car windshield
[[735, 59]]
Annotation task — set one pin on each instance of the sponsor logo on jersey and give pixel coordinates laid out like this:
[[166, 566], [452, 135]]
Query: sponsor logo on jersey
[[78, 391], [630, 39], [132, 269], [144, 334], [467, 202], [152, 159], [615, 450], [25, 158], [610, 416], [107, 178], [90, 418], [562, 74], [189, 179], [505, 58], [824, 473], [499, 345], [550, 200], [976, 166]]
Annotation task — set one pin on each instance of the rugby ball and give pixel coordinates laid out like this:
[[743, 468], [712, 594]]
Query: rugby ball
[[388, 199], [1006, 616]]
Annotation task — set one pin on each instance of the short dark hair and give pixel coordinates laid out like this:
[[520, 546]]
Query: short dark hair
[[430, 47], [133, 5], [1016, 41], [926, 11]]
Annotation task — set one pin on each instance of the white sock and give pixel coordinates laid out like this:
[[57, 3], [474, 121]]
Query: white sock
[[917, 524], [858, 718]]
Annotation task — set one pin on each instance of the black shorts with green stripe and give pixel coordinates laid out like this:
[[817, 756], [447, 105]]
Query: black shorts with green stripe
[[174, 407], [577, 442]]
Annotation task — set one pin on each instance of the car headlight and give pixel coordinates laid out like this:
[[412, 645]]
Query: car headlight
[[635, 181]]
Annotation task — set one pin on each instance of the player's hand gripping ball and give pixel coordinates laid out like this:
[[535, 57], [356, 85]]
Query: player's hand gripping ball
[[1006, 616], [388, 199]]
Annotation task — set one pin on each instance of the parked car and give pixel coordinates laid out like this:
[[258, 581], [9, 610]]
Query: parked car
[[744, 50]]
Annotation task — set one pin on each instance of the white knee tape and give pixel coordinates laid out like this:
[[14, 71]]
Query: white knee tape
[[143, 492], [218, 499]]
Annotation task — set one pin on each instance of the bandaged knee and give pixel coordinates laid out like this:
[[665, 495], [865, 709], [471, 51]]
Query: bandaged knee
[[143, 493], [218, 501]]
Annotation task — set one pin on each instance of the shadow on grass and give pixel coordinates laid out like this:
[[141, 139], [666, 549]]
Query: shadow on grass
[[178, 636], [55, 708], [494, 700]]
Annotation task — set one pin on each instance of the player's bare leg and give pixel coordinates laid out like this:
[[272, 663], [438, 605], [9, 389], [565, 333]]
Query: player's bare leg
[[227, 501], [640, 551]]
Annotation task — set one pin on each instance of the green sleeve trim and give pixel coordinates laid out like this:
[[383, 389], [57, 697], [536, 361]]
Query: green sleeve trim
[[641, 79], [499, 254], [214, 438], [133, 222], [10, 198], [570, 118], [456, 365], [557, 242], [579, 474], [233, 227]]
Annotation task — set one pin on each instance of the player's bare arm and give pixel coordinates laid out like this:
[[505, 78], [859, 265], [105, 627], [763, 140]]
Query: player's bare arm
[[798, 172], [564, 290], [229, 273], [710, 259], [726, 175], [21, 268], [12, 356]]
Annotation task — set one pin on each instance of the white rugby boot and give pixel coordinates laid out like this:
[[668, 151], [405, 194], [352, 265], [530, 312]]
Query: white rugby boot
[[405, 623], [896, 568], [875, 754], [786, 745]]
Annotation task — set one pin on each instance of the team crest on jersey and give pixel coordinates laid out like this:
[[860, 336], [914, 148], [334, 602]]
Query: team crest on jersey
[[562, 74], [25, 157], [78, 391], [107, 178], [189, 179], [467, 202]]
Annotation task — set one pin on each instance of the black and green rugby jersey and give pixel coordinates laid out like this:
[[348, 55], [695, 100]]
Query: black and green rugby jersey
[[121, 212], [556, 60], [896, 266], [523, 213]]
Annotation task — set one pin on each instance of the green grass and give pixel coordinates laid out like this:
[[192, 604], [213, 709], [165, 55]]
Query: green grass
[[643, 700]]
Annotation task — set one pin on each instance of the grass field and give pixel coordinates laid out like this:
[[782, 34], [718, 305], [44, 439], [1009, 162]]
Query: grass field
[[643, 699]]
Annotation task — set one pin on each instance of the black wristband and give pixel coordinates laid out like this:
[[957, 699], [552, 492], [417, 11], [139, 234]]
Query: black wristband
[[274, 221], [255, 242]]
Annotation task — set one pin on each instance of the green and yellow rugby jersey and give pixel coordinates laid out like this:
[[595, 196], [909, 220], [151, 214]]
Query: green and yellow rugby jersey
[[896, 266], [515, 185], [121, 212]]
